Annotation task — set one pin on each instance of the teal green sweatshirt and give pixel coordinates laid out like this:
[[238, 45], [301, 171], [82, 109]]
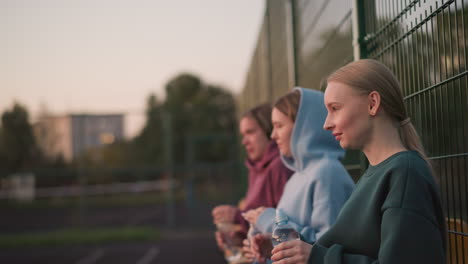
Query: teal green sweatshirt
[[394, 216]]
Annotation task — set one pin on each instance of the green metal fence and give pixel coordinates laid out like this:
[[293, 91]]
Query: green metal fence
[[422, 41], [299, 44]]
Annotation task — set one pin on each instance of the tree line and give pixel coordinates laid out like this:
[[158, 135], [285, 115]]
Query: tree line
[[195, 109]]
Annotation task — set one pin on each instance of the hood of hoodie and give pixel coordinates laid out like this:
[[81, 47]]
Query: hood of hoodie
[[309, 141], [258, 166]]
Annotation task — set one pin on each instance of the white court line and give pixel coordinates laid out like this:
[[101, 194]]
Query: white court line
[[92, 258], [149, 256]]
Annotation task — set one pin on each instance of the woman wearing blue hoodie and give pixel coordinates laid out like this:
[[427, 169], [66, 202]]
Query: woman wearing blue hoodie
[[320, 185]]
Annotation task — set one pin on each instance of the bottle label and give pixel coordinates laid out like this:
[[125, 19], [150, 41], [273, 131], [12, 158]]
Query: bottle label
[[281, 235]]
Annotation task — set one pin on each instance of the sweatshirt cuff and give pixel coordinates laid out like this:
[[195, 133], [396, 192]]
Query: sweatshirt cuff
[[239, 219], [321, 254], [317, 254], [266, 220]]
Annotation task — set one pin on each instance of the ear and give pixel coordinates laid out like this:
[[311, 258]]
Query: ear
[[374, 103]]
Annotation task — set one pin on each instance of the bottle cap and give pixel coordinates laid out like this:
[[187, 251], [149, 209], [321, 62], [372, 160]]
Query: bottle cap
[[281, 216]]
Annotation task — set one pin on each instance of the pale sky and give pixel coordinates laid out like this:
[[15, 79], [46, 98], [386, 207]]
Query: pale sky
[[107, 56]]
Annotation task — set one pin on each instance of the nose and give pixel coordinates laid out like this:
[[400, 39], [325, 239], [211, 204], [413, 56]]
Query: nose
[[328, 124], [273, 134], [244, 141]]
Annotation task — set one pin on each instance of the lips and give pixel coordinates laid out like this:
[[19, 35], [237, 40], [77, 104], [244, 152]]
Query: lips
[[337, 136]]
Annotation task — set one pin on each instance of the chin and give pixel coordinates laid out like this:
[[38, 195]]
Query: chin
[[344, 145], [254, 157], [347, 146]]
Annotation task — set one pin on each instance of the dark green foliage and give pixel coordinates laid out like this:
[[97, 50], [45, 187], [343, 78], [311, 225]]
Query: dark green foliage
[[195, 110], [147, 144], [18, 149]]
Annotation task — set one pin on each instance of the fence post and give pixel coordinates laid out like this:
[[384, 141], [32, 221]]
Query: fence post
[[359, 29], [291, 42], [359, 51], [188, 171], [268, 57], [168, 155], [82, 181]]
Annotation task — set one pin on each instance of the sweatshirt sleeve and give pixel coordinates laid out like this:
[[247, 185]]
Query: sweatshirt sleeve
[[326, 207], [327, 194], [239, 219], [406, 237], [266, 221], [330, 192], [323, 216]]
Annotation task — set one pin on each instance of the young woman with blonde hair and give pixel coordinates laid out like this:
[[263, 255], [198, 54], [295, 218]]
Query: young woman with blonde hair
[[395, 214]]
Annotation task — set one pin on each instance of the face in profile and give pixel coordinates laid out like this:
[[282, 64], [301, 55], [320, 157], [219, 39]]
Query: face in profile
[[254, 139], [282, 129], [348, 117]]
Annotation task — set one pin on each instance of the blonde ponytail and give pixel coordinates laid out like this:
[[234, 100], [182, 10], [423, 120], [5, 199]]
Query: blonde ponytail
[[411, 140]]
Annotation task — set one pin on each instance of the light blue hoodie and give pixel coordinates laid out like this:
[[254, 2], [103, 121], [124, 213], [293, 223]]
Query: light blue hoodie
[[320, 185]]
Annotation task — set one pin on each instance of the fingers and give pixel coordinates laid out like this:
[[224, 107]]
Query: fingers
[[249, 257], [217, 214], [221, 209], [263, 237], [248, 216], [286, 245], [219, 237], [287, 253], [261, 246], [293, 260], [260, 210], [224, 213], [246, 243], [251, 216], [220, 219], [219, 240], [256, 245], [246, 251], [291, 252], [217, 210]]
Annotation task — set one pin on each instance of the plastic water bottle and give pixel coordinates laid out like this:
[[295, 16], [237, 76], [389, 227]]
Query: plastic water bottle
[[232, 252], [250, 236], [283, 231]]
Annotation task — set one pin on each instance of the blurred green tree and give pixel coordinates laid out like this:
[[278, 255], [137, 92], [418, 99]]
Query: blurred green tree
[[195, 109], [199, 109], [18, 149], [146, 145]]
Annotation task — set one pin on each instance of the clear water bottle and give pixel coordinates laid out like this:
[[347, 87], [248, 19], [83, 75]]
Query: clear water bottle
[[232, 251], [283, 231], [250, 236]]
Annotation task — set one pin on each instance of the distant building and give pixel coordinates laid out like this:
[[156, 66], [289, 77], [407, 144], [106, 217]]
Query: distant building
[[71, 135]]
